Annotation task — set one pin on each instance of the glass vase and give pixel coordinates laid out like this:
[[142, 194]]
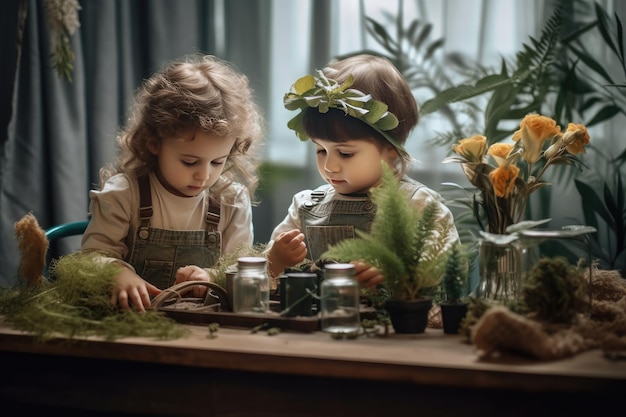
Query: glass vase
[[500, 272]]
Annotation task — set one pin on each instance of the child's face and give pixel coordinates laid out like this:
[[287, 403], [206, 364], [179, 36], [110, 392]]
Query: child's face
[[192, 163], [352, 166]]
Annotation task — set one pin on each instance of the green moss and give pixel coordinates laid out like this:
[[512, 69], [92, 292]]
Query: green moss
[[475, 310], [555, 291], [78, 303], [228, 262]]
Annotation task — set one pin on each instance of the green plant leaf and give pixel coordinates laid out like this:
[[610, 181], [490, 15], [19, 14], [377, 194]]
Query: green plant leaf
[[430, 51], [376, 111], [381, 35], [591, 63], [388, 122], [464, 92], [605, 113], [603, 26], [296, 124], [620, 37], [423, 35], [592, 204]]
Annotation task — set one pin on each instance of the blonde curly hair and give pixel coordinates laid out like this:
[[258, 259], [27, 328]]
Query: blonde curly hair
[[197, 92]]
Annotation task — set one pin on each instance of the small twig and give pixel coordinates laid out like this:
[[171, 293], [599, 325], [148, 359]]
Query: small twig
[[308, 294]]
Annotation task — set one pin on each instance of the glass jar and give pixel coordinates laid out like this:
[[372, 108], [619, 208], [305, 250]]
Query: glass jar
[[340, 299], [251, 286]]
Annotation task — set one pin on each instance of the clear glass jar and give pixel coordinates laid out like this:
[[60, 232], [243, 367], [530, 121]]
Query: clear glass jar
[[251, 286], [340, 299]]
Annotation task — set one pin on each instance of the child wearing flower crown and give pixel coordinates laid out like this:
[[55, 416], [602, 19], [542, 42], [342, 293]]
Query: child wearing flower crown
[[179, 195], [357, 112]]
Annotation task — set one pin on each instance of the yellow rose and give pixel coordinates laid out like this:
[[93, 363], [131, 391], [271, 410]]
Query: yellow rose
[[472, 148], [503, 179], [534, 130], [500, 151], [575, 138]]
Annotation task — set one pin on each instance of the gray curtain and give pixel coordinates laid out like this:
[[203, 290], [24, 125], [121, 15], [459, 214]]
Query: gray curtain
[[56, 134]]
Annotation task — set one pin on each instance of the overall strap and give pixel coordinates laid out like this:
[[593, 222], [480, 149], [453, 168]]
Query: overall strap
[[145, 205], [213, 213], [318, 195], [145, 202]]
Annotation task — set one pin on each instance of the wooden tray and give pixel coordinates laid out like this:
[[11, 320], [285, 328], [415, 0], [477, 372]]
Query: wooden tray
[[217, 310], [211, 314]]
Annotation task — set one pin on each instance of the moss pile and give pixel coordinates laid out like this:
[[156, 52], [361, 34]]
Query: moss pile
[[78, 303]]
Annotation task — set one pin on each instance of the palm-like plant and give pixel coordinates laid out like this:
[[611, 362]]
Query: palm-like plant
[[556, 74], [418, 57], [553, 74]]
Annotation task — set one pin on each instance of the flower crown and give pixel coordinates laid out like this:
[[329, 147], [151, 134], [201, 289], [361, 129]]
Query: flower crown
[[324, 93]]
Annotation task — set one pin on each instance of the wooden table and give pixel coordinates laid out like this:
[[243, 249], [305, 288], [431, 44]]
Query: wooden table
[[295, 374]]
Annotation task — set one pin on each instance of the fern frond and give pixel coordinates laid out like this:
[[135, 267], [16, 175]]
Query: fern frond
[[455, 278], [430, 272], [407, 244], [393, 215], [545, 49], [371, 249], [423, 230]]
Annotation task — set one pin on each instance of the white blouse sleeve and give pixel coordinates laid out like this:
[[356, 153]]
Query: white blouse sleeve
[[111, 212], [291, 220], [425, 195], [236, 220]]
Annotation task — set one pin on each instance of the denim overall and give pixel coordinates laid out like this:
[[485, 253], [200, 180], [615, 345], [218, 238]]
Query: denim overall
[[157, 254], [327, 221]]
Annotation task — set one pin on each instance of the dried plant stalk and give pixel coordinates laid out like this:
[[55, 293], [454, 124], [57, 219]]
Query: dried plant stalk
[[33, 246]]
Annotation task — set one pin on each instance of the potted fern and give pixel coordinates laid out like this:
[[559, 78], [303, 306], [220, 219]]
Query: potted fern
[[408, 245], [455, 278]]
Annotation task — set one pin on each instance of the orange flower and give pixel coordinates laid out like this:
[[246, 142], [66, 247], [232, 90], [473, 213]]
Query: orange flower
[[472, 148], [500, 151], [503, 179], [534, 130], [504, 182], [575, 138]]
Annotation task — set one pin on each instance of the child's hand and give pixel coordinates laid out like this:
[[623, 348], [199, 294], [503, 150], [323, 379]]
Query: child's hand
[[131, 289], [288, 249], [193, 273], [367, 276]]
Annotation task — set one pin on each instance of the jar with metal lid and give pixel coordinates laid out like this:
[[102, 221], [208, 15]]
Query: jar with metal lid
[[251, 286], [339, 293]]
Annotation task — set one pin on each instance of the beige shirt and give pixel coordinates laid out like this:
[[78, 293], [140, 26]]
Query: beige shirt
[[115, 212]]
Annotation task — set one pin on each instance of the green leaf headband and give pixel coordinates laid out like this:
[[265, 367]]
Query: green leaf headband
[[324, 93]]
